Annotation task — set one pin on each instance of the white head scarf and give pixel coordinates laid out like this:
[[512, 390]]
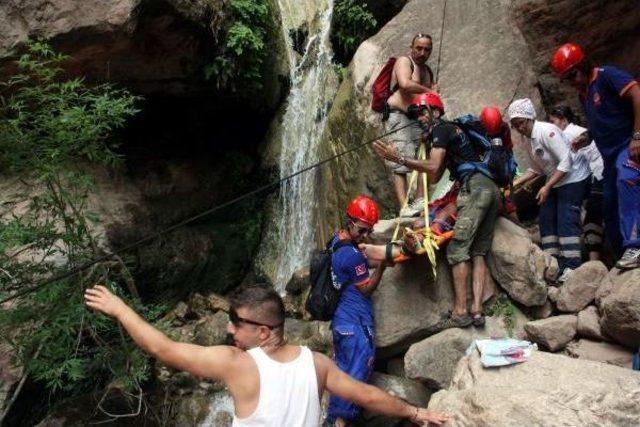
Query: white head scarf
[[522, 108]]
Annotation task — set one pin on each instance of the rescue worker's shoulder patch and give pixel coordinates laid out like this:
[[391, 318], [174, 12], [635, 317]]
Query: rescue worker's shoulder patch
[[552, 134]]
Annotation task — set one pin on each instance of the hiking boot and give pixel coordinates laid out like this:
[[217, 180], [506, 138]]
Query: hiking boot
[[630, 259], [565, 275], [454, 321]]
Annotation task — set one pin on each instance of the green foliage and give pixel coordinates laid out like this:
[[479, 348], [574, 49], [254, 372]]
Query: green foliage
[[49, 126], [239, 63], [352, 24], [502, 306]]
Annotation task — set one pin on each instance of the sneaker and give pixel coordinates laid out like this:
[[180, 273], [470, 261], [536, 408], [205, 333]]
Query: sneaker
[[565, 275], [454, 321], [478, 320], [630, 259]]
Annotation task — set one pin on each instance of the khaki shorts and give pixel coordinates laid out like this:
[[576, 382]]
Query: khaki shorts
[[407, 140], [478, 203]]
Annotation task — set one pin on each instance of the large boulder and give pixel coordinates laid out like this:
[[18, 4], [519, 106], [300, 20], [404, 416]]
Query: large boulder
[[465, 88], [407, 390], [618, 299], [600, 352], [581, 286], [433, 360], [546, 390], [409, 304], [553, 333], [517, 264]]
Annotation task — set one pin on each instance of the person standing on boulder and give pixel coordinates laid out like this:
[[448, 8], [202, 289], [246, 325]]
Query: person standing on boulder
[[563, 117], [272, 383], [477, 203], [611, 100], [410, 76], [567, 184], [352, 325]]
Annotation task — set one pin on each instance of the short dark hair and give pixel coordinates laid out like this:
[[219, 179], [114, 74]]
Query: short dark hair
[[421, 36], [563, 112], [262, 299]]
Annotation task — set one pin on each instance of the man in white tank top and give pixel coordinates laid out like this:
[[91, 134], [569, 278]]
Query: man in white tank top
[[272, 383]]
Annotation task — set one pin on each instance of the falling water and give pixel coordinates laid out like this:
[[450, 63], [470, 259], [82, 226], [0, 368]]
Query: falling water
[[313, 86]]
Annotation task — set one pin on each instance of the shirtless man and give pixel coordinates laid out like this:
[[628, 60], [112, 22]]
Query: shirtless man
[[411, 75], [291, 377]]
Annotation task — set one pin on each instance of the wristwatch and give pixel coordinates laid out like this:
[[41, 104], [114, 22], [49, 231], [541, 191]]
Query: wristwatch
[[636, 135]]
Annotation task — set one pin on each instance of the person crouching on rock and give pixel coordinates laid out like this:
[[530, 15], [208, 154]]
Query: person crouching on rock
[[272, 383], [352, 324], [561, 198], [477, 203]]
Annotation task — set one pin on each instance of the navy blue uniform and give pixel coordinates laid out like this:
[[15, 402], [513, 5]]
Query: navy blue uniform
[[610, 119], [352, 325]]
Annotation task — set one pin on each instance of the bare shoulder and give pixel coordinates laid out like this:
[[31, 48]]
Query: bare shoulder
[[403, 62], [323, 363]]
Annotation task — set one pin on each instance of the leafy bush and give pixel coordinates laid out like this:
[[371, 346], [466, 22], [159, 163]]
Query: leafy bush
[[238, 65], [352, 24], [49, 126], [503, 307]]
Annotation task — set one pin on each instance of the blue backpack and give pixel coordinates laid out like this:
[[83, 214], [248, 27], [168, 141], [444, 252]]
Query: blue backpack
[[496, 162]]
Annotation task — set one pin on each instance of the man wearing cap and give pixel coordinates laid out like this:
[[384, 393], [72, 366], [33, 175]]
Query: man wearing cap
[[352, 325], [411, 75], [611, 99]]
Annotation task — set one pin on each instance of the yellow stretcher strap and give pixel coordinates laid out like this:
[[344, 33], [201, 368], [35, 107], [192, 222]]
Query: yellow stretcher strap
[[429, 244]]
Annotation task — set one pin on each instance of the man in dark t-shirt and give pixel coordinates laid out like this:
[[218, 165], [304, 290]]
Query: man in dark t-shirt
[[477, 202]]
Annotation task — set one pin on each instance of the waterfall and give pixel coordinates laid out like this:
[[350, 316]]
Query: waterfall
[[313, 86]]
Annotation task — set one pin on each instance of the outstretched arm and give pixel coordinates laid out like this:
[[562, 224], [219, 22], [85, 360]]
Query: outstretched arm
[[370, 397], [210, 362]]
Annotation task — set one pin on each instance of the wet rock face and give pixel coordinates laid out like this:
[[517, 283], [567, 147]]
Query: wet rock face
[[151, 47]]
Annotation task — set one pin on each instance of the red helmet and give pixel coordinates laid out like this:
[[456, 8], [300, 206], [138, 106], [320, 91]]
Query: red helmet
[[492, 120], [430, 99], [566, 57], [363, 209]]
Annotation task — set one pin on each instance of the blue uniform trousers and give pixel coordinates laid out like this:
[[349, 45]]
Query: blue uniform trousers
[[354, 347], [560, 223], [621, 203]]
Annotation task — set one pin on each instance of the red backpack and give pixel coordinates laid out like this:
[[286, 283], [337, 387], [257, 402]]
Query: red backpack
[[381, 88]]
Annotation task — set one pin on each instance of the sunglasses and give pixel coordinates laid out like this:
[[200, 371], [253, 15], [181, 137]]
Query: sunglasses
[[236, 320], [362, 230]]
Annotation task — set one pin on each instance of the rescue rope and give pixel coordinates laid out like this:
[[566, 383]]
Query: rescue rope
[[444, 12], [429, 244], [189, 220]]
